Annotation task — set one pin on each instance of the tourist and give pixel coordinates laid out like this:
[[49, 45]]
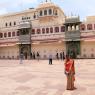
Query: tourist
[[61, 56], [38, 56], [50, 59], [21, 58], [70, 72], [57, 56], [33, 55]]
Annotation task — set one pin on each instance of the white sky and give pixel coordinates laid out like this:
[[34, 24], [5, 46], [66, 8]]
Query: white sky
[[82, 8]]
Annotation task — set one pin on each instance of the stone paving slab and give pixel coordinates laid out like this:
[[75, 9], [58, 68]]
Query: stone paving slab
[[39, 78]]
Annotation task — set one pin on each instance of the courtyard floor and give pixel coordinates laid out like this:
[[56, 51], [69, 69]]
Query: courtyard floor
[[38, 78]]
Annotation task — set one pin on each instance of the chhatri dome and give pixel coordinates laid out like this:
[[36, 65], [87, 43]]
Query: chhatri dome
[[46, 4]]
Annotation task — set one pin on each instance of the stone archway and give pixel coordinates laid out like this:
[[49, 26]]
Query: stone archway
[[25, 49]]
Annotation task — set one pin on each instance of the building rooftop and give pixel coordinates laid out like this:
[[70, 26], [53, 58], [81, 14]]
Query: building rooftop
[[46, 5]]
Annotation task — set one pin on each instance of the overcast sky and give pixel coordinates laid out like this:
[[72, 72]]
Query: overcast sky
[[82, 8]]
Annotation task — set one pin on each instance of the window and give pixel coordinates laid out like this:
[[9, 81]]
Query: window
[[45, 12], [56, 29], [56, 12], [50, 11], [38, 31], [1, 35], [82, 27], [51, 30], [13, 33], [41, 13], [47, 30], [43, 30], [62, 28], [10, 24], [14, 23], [5, 34], [12, 57], [6, 24], [92, 55], [9, 34], [17, 33], [29, 17], [34, 15], [33, 31], [22, 18], [89, 26]]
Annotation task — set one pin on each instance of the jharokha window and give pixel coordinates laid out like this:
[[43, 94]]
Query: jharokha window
[[51, 30], [47, 30], [34, 16], [33, 31], [17, 33], [62, 28], [5, 34], [10, 24], [56, 12], [45, 12], [38, 31], [13, 33], [6, 24], [89, 26], [50, 11], [43, 30], [14, 23], [1, 35], [82, 27], [56, 29], [9, 34]]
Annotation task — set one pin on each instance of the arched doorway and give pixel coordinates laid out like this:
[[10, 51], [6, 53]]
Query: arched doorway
[[25, 49], [73, 48]]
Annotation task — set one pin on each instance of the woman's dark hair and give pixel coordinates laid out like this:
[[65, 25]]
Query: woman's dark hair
[[67, 57]]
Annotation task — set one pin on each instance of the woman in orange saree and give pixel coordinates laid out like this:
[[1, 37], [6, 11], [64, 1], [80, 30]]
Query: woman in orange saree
[[70, 72]]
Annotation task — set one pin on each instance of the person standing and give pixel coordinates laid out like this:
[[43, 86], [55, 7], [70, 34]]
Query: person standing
[[63, 55], [33, 55], [38, 56], [57, 56], [21, 58], [70, 72], [50, 59]]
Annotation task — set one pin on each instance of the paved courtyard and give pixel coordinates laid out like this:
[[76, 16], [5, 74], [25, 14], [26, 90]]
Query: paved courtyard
[[39, 78]]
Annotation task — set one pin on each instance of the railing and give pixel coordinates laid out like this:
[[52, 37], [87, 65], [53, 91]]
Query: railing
[[24, 38], [47, 36], [11, 39], [73, 35], [24, 24]]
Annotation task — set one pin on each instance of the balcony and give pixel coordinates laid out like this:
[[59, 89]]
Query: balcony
[[25, 39], [72, 35], [24, 24]]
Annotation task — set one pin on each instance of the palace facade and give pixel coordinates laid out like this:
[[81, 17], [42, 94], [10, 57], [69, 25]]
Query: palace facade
[[46, 30]]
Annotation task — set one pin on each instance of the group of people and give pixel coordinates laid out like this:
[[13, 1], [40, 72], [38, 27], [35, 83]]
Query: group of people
[[35, 55], [60, 55]]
